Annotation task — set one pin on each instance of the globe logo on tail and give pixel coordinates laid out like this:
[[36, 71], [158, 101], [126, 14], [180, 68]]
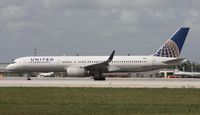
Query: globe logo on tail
[[169, 49]]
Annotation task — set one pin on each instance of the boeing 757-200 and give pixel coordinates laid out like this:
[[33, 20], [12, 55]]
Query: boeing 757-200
[[165, 56]]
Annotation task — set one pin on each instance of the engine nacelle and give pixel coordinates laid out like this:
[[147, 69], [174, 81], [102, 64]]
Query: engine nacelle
[[76, 72]]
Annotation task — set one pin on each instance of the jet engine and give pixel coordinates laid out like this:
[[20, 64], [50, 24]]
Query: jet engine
[[77, 72]]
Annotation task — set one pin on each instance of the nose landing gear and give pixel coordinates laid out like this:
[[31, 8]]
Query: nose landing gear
[[27, 76]]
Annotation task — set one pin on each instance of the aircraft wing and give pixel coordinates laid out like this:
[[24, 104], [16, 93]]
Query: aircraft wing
[[174, 61], [100, 67]]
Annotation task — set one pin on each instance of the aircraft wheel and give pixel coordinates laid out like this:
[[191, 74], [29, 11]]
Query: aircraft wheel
[[28, 78], [99, 78]]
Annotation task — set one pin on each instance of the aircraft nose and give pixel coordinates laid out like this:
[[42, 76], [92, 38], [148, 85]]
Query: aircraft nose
[[9, 67]]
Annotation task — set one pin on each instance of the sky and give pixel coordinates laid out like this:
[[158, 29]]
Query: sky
[[95, 27]]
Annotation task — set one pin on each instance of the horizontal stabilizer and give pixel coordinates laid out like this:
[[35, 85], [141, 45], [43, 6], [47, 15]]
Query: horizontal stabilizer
[[175, 61]]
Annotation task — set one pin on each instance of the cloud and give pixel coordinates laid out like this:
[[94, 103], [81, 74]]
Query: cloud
[[94, 27]]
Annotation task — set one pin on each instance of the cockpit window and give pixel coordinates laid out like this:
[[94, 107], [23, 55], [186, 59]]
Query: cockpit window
[[13, 62]]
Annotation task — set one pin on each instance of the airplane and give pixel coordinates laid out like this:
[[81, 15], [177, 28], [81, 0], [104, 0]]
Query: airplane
[[192, 74], [82, 66]]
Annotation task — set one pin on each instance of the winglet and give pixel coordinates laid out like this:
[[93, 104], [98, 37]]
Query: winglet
[[111, 56]]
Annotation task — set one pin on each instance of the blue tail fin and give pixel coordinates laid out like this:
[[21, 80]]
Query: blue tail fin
[[172, 47]]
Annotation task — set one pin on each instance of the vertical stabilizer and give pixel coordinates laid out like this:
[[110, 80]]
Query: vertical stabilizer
[[173, 46]]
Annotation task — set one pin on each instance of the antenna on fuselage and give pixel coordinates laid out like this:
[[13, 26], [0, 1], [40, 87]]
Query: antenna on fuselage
[[35, 52]]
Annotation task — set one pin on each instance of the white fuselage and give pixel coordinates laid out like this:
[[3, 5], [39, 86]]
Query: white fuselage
[[187, 74], [62, 63]]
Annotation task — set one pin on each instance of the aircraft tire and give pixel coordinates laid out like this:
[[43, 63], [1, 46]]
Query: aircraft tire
[[99, 78]]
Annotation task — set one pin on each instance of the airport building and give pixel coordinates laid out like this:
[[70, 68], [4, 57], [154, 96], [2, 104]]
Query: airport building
[[148, 74], [3, 71], [166, 73]]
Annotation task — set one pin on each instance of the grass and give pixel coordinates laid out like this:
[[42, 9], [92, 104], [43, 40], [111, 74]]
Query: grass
[[98, 101]]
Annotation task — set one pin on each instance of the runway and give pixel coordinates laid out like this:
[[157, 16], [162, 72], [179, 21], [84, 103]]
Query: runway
[[109, 83]]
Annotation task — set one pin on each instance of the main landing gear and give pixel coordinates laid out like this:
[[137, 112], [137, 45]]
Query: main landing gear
[[99, 77]]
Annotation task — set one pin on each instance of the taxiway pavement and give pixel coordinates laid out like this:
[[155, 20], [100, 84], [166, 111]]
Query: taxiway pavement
[[110, 82]]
